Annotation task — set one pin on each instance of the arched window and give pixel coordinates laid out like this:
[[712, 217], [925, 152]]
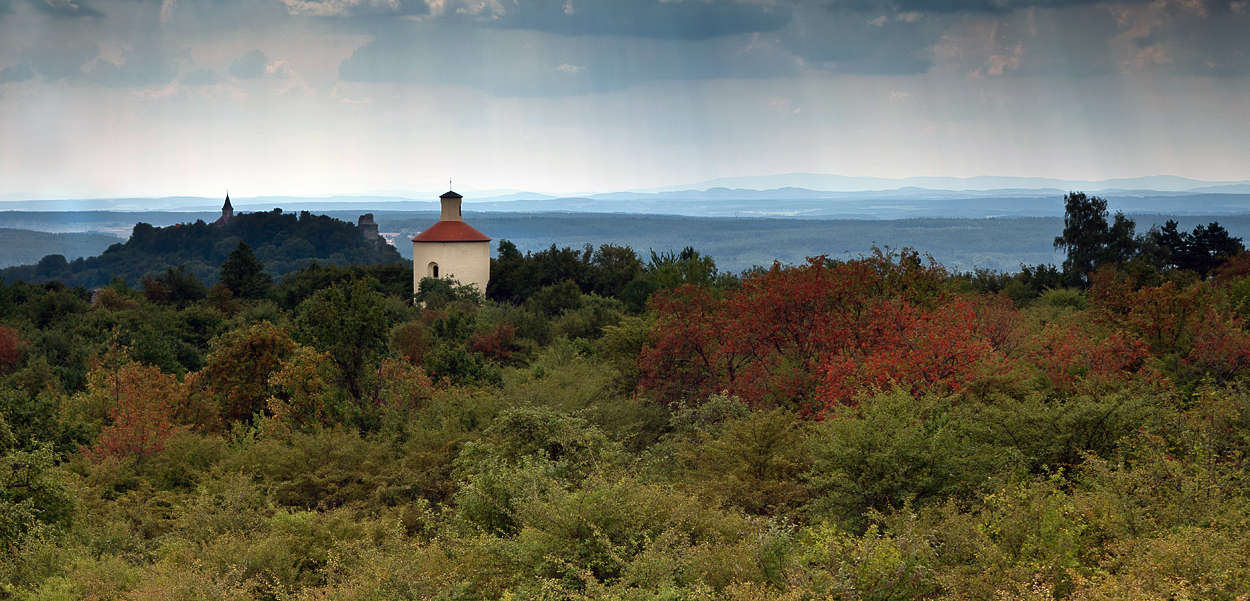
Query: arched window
[[432, 269]]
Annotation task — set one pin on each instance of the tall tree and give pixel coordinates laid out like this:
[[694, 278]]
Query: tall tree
[[348, 322], [1089, 241], [244, 275]]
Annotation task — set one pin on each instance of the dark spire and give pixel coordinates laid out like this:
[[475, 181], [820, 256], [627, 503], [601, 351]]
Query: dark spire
[[227, 206], [450, 194]]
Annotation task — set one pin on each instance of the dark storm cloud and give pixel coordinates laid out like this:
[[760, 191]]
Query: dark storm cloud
[[69, 9], [958, 6], [1214, 41], [866, 42], [681, 20], [525, 63], [249, 66], [359, 9]]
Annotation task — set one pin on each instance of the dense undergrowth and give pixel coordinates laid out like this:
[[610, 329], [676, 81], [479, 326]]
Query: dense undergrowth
[[871, 429]]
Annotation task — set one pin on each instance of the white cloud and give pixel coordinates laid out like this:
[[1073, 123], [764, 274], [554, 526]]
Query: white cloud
[[910, 17], [898, 95], [997, 64], [879, 21], [573, 69], [167, 10], [173, 91], [280, 69]]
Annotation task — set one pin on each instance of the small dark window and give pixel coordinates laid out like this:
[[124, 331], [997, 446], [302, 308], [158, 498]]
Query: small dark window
[[436, 271]]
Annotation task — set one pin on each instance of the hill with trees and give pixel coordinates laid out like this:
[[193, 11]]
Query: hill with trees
[[282, 242], [23, 247], [873, 428]]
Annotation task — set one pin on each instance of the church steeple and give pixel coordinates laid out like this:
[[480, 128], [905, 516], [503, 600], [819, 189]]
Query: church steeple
[[227, 212]]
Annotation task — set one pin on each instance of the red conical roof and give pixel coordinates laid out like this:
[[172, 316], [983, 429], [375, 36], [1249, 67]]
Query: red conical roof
[[451, 231]]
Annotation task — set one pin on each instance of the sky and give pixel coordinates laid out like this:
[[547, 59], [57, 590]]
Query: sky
[[148, 98]]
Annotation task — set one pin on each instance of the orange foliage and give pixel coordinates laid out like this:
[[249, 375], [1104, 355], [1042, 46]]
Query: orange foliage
[[812, 335], [401, 386], [139, 400], [1193, 323], [1220, 345], [496, 344], [1075, 362], [239, 368], [941, 350], [10, 348]]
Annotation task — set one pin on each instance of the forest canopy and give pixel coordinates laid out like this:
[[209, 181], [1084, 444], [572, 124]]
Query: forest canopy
[[600, 425]]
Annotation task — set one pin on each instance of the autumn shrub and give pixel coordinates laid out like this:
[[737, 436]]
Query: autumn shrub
[[400, 387], [237, 377], [1196, 328], [772, 342], [411, 340], [941, 351], [133, 404], [10, 349], [495, 345], [1075, 362], [305, 396]]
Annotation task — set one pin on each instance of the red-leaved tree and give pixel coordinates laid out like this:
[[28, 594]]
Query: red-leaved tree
[[1076, 362], [810, 335], [10, 349], [139, 400]]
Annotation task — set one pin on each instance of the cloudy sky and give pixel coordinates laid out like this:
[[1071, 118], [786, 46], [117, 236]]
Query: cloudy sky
[[108, 98]]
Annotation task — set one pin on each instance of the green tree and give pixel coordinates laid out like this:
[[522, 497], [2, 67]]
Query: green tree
[[1209, 246], [348, 322], [1090, 241], [244, 275]]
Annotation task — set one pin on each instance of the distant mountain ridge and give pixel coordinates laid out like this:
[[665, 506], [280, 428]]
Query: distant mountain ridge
[[791, 186], [842, 183]]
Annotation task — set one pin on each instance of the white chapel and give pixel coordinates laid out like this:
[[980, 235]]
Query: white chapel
[[451, 249]]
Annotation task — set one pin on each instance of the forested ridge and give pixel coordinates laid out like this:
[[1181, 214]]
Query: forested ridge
[[283, 242], [603, 425], [27, 247]]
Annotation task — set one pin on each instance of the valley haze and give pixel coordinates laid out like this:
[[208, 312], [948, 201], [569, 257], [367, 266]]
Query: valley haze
[[982, 222]]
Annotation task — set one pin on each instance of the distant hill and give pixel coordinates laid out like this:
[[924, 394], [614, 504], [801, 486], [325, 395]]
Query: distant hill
[[284, 242], [20, 247]]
